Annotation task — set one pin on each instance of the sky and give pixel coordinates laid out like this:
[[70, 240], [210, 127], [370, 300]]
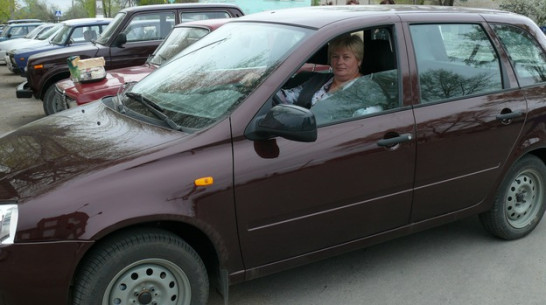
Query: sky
[[63, 5]]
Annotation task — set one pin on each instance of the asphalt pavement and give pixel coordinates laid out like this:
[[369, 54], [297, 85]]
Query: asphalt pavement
[[15, 112], [455, 264]]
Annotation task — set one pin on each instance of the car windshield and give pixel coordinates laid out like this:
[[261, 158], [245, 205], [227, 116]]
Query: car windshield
[[5, 31], [62, 36], [48, 33], [179, 39], [207, 80], [34, 32], [110, 29]]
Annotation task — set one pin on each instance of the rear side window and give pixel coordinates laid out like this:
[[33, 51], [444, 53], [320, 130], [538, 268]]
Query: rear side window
[[454, 60], [526, 56]]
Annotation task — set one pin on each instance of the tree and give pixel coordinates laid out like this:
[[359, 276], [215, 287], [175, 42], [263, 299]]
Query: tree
[[534, 9], [34, 9], [90, 7], [6, 9]]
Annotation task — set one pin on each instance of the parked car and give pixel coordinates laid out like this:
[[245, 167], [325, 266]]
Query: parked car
[[38, 34], [70, 94], [199, 174], [16, 21], [17, 30], [123, 44], [74, 32]]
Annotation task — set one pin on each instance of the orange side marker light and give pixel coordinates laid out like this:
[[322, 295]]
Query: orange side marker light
[[204, 181]]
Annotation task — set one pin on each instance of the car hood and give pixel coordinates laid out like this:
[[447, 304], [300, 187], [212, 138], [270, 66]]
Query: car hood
[[8, 44], [37, 48], [46, 153], [29, 45], [61, 54], [90, 91]]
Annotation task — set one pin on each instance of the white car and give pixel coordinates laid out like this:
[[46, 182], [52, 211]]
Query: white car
[[39, 35]]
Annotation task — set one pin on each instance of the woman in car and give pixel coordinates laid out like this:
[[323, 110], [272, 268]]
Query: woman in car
[[348, 92]]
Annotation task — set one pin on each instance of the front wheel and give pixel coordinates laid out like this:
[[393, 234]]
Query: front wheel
[[53, 102], [142, 267], [519, 204]]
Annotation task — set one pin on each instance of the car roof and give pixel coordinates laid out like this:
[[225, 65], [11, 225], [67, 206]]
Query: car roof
[[15, 21], [320, 16], [83, 21], [16, 25], [179, 6]]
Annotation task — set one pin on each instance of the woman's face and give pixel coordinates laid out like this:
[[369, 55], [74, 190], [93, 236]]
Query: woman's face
[[345, 64]]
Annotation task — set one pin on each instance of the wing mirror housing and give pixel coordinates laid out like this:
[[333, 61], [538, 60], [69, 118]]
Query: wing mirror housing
[[120, 40], [287, 121]]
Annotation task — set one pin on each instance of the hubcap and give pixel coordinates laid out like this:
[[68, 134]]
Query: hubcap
[[523, 199]]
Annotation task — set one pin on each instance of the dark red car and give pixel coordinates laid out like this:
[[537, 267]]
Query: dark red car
[[70, 94], [198, 175], [134, 33]]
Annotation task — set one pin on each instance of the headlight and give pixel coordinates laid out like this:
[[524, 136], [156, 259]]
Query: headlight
[[8, 223]]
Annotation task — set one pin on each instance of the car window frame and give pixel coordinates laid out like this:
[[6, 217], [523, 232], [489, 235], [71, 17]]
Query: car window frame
[[492, 43], [150, 13], [532, 38], [396, 50]]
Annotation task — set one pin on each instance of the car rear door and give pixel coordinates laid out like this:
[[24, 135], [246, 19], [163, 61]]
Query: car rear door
[[468, 115]]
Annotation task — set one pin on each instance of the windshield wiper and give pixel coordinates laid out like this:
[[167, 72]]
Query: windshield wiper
[[154, 108]]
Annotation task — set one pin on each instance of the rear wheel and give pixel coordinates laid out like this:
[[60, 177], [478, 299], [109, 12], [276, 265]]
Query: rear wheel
[[519, 205], [53, 102], [142, 267]]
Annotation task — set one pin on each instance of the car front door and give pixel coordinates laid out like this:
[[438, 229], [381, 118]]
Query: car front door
[[144, 33], [295, 198]]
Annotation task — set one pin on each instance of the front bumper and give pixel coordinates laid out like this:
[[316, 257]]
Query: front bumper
[[23, 90], [38, 273], [68, 101], [11, 64]]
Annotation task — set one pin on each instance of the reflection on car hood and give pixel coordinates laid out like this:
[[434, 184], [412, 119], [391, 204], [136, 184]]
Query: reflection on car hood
[[87, 92], [29, 46], [46, 153], [9, 44]]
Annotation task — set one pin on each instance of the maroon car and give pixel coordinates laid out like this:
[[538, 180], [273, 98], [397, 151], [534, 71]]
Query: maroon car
[[70, 94], [201, 175]]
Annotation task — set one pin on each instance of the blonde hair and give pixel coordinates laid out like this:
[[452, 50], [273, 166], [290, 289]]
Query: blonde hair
[[351, 42]]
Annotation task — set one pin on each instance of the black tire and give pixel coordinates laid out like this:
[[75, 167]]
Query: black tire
[[145, 266], [519, 204], [53, 102]]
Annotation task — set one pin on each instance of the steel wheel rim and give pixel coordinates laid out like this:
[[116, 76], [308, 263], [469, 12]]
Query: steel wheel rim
[[149, 282], [523, 199]]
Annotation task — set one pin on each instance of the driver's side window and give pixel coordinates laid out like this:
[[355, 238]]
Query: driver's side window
[[153, 26], [352, 76]]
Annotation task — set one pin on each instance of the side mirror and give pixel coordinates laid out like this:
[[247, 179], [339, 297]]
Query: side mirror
[[288, 121], [120, 40]]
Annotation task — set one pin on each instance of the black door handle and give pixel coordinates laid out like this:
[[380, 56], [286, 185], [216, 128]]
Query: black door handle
[[390, 142], [509, 115]]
